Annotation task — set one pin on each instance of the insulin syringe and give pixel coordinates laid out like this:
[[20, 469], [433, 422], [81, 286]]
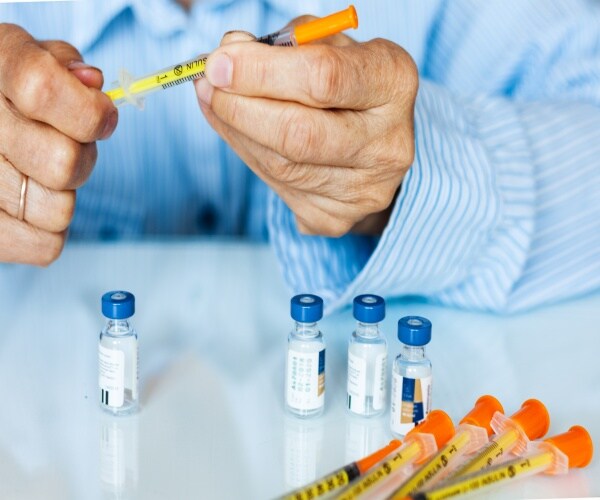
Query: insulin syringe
[[341, 477], [555, 455], [513, 433], [471, 434], [132, 90], [419, 444]]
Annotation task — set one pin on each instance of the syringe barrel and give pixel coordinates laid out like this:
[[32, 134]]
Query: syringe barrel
[[281, 38], [485, 479]]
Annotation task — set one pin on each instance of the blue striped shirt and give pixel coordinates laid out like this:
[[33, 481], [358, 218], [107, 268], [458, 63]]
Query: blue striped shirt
[[500, 210]]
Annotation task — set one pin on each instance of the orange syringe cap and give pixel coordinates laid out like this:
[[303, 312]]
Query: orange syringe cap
[[576, 443], [364, 464], [439, 424], [532, 418], [482, 413], [326, 26]]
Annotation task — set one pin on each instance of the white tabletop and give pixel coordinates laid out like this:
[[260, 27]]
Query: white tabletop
[[213, 320]]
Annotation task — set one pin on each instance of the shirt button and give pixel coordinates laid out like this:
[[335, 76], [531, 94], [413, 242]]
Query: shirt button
[[207, 219]]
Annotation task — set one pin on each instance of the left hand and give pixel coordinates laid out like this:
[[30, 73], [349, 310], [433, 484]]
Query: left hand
[[329, 127]]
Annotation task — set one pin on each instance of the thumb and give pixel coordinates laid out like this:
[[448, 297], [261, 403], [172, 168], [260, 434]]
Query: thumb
[[70, 57], [236, 36]]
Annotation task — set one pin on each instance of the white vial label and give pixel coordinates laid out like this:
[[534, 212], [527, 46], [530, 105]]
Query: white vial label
[[111, 376], [379, 382], [306, 380], [411, 402], [135, 372], [357, 383]]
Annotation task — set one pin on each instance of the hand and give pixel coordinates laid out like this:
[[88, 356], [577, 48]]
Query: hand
[[329, 127], [51, 112]]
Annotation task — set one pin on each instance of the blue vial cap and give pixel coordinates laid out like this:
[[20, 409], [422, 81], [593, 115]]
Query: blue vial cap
[[118, 305], [307, 308], [368, 308], [414, 330]]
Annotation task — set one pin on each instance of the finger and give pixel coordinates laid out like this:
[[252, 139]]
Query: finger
[[236, 36], [44, 208], [295, 131], [245, 153], [70, 57], [22, 243], [42, 89], [362, 191], [358, 76], [317, 213], [42, 152], [268, 164]]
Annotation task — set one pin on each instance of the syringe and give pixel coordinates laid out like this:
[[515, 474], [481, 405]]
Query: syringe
[[554, 455], [133, 90], [512, 434], [342, 476], [420, 443], [471, 434]]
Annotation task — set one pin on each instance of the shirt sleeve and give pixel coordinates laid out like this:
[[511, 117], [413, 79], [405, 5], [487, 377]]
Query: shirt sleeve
[[500, 210]]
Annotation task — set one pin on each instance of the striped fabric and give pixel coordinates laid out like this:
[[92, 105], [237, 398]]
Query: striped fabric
[[500, 211], [501, 208]]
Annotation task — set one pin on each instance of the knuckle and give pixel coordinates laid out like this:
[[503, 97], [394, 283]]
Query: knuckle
[[280, 169], [35, 86], [402, 149], [367, 198], [377, 201], [338, 228], [331, 227], [298, 135], [303, 228], [95, 118], [231, 107], [410, 79], [64, 166], [405, 72], [65, 210], [327, 82], [392, 155], [50, 249]]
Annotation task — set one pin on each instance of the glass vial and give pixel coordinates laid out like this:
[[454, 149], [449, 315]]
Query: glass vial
[[367, 358], [411, 376], [118, 355], [305, 371]]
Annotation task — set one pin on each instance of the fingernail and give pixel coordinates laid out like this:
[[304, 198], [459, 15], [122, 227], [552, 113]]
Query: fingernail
[[111, 124], [237, 36], [204, 91], [219, 70], [81, 65]]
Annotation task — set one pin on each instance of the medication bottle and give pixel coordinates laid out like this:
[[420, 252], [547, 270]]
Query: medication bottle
[[305, 372], [367, 358], [118, 355], [411, 376]]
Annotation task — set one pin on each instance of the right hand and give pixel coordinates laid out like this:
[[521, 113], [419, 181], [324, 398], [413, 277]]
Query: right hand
[[51, 113]]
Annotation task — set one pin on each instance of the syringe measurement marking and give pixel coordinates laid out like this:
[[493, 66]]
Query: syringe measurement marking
[[434, 467], [328, 484], [382, 471], [484, 459], [188, 78], [479, 480]]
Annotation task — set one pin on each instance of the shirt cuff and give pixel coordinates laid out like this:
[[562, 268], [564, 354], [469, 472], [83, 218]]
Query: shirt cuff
[[461, 225]]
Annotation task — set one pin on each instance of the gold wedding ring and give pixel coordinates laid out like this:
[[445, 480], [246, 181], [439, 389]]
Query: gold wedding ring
[[21, 213]]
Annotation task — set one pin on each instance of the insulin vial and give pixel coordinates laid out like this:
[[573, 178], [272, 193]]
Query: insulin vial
[[367, 358], [118, 355], [305, 373], [411, 376]]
